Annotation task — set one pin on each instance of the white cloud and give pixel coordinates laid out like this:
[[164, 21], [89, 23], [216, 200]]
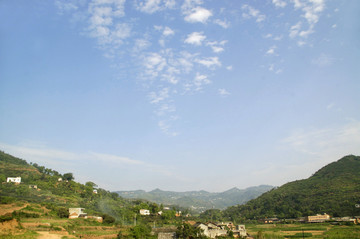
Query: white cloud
[[312, 10], [209, 61], [166, 128], [323, 60], [200, 80], [294, 30], [229, 68], [101, 23], [250, 12], [155, 62], [141, 44], [223, 23], [165, 109], [271, 50], [279, 3], [217, 47], [168, 31], [65, 6], [152, 6], [195, 38], [155, 98], [223, 92], [274, 69], [198, 14]]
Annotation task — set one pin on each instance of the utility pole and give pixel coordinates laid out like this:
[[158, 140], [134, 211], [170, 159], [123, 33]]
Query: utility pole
[[135, 220]]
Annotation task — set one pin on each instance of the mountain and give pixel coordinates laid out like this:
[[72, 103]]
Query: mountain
[[198, 201], [334, 189]]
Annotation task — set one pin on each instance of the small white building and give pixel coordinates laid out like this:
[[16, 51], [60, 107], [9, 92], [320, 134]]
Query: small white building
[[77, 212], [16, 180], [144, 212]]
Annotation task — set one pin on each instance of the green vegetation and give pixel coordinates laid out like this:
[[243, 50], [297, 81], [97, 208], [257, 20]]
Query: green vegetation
[[334, 189]]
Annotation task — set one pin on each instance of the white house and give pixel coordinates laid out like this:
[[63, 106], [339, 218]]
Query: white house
[[211, 230], [16, 180], [144, 212], [76, 213]]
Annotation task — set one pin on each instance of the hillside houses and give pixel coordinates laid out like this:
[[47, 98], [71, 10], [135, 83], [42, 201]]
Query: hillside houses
[[214, 230], [144, 212], [16, 180]]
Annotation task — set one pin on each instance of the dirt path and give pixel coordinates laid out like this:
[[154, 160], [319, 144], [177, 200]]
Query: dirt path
[[48, 235]]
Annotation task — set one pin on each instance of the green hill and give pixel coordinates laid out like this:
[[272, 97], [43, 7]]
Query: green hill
[[58, 192], [334, 189], [199, 201]]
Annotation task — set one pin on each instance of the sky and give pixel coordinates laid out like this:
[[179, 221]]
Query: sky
[[180, 95]]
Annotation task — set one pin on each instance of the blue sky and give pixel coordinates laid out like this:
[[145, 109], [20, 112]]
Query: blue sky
[[180, 95]]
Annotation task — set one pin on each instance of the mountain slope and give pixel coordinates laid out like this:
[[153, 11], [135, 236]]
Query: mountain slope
[[199, 200], [334, 189], [58, 194]]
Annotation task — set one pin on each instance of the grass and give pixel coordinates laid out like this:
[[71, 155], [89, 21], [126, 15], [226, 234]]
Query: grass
[[26, 235], [275, 231]]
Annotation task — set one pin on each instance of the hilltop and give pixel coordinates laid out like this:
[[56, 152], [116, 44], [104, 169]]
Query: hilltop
[[199, 200], [334, 189]]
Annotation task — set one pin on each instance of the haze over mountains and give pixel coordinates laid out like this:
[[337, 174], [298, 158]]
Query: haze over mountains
[[199, 200]]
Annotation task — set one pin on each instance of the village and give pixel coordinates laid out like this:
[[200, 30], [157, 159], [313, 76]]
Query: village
[[209, 229]]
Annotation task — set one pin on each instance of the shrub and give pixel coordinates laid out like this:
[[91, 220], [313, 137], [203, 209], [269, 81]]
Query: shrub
[[108, 219], [6, 217]]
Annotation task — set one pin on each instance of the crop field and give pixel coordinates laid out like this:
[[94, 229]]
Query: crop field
[[274, 231]]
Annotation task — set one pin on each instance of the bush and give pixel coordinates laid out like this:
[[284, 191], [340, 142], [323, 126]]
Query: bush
[[108, 219], [62, 212], [6, 200], [20, 214], [6, 217]]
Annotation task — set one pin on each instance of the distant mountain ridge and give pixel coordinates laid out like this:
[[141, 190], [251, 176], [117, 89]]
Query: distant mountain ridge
[[334, 189], [199, 200]]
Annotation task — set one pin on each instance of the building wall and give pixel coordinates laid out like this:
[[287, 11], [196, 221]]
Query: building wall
[[13, 180]]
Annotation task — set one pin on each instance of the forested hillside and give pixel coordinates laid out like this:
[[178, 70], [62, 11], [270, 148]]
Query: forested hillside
[[58, 192], [334, 189]]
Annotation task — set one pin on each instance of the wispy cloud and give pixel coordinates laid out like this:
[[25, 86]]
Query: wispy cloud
[[77, 162], [165, 71], [311, 13], [223, 92], [279, 3], [156, 97], [152, 6], [250, 12], [323, 60], [271, 50], [327, 142], [209, 62], [223, 23], [217, 47]]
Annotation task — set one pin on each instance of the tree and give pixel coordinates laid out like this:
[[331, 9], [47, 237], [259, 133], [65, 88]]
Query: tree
[[90, 184], [185, 231], [140, 232], [62, 212], [68, 176]]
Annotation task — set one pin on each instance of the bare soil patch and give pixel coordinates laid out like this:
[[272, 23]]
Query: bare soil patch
[[9, 208]]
